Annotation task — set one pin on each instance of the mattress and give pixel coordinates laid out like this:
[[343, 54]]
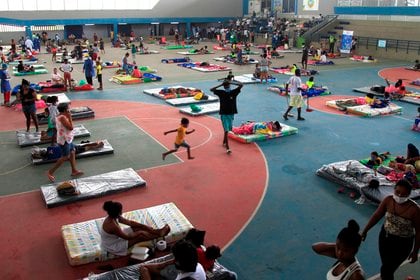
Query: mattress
[[354, 175], [106, 149], [125, 80], [366, 110], [132, 272], [285, 131], [249, 79], [209, 68], [413, 97], [156, 92], [190, 100], [175, 60], [93, 186], [82, 240], [194, 53], [148, 52], [319, 63], [76, 113], [29, 62], [36, 72], [62, 97], [205, 109], [25, 139], [367, 90], [178, 47]]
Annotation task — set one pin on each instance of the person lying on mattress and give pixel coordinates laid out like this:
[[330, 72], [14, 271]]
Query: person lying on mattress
[[24, 68], [117, 240], [251, 127], [376, 159], [53, 152]]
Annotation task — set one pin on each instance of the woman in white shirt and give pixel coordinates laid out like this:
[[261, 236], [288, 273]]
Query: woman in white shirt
[[344, 250]]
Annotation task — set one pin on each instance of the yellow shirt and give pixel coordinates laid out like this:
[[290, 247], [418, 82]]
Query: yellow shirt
[[98, 69], [180, 136], [310, 84]]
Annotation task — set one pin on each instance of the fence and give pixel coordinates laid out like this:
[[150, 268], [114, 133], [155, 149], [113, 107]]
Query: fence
[[389, 44], [378, 3]]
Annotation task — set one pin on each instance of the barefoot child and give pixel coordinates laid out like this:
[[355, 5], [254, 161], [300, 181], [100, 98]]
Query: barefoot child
[[179, 140]]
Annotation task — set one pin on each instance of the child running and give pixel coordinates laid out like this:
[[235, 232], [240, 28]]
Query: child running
[[179, 140]]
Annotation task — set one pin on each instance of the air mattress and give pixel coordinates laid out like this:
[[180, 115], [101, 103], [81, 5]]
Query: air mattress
[[82, 240], [93, 186]]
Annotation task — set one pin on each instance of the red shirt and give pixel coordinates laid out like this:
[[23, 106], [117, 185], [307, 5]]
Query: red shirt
[[206, 263]]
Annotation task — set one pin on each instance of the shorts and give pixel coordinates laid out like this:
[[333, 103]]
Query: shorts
[[264, 69], [99, 78], [183, 144], [66, 149], [296, 101], [67, 76], [29, 109], [227, 121]]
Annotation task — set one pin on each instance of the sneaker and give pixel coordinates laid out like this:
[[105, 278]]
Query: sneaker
[[300, 119], [285, 117]]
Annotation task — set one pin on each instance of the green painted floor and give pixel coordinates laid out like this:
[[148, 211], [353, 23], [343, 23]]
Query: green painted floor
[[134, 148]]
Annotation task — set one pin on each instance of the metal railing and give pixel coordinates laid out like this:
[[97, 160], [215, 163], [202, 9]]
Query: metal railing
[[390, 44], [378, 3], [317, 31]]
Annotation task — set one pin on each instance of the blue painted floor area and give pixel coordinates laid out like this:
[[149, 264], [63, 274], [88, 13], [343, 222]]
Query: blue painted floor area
[[300, 208]]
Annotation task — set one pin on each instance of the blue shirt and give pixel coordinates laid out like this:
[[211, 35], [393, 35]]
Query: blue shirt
[[4, 84]]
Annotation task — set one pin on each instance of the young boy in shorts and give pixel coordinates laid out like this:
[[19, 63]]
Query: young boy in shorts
[[180, 138]]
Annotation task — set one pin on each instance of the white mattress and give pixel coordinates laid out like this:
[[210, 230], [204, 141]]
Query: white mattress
[[190, 100], [205, 109]]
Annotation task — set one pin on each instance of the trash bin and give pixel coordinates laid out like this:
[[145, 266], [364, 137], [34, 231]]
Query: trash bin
[[300, 41]]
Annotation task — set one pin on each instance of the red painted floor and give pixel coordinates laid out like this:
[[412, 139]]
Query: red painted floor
[[393, 74], [217, 192]]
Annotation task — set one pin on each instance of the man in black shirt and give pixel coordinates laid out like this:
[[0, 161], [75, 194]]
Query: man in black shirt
[[227, 99]]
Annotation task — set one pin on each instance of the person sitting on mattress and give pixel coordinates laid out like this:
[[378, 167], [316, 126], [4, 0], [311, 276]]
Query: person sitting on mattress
[[136, 73], [344, 250], [257, 71], [117, 240]]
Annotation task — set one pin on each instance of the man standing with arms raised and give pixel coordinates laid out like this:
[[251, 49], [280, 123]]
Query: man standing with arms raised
[[227, 98]]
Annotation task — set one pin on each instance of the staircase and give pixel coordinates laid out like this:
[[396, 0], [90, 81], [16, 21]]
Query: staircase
[[323, 29]]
